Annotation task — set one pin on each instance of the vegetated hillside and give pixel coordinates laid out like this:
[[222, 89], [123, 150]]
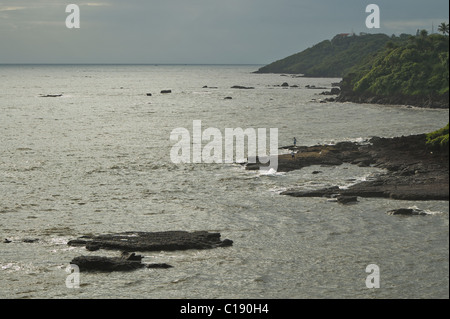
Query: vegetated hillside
[[410, 72], [439, 139], [332, 58]]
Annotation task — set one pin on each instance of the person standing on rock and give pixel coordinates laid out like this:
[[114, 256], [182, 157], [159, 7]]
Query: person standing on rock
[[295, 142]]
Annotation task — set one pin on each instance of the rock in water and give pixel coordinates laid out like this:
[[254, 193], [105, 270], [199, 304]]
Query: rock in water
[[152, 241], [51, 95], [98, 263], [161, 266], [407, 212], [109, 264], [242, 87], [131, 256], [346, 199]]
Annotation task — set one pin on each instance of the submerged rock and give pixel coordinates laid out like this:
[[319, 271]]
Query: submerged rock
[[108, 264], [131, 256], [30, 240], [242, 87], [140, 241], [152, 241], [341, 199], [407, 212], [51, 95], [162, 266], [99, 263]]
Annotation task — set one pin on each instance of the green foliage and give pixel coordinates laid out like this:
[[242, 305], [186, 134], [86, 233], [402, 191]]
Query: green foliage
[[331, 58], [416, 67], [439, 138], [376, 64], [443, 28]]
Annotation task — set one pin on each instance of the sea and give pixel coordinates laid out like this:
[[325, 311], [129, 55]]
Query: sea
[[85, 150]]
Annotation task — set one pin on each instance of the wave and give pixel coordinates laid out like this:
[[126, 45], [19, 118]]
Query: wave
[[426, 211], [271, 172]]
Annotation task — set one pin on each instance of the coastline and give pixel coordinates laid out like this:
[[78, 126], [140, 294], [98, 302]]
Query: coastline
[[414, 171], [436, 102]]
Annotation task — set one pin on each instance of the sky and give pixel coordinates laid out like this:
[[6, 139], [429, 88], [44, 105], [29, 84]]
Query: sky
[[194, 31]]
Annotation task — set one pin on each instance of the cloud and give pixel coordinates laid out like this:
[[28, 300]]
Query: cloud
[[2, 9], [193, 31], [412, 25], [94, 4]]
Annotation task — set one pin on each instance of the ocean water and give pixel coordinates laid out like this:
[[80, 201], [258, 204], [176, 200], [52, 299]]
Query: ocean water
[[97, 160]]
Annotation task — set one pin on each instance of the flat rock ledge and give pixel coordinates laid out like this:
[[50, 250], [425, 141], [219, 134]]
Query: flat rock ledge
[[152, 241], [407, 212], [109, 264], [127, 242]]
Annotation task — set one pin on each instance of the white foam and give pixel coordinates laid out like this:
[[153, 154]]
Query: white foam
[[270, 172], [428, 212]]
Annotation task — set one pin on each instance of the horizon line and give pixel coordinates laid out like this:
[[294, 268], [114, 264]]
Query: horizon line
[[150, 64]]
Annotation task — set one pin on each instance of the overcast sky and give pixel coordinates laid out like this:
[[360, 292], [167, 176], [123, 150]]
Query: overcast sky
[[194, 31]]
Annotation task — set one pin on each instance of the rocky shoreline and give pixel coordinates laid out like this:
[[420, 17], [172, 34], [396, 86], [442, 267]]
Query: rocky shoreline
[[431, 101], [413, 170]]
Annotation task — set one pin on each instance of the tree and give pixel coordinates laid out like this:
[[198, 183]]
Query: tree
[[444, 28], [423, 33]]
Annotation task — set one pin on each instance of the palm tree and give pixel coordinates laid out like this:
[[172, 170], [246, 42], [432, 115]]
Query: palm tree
[[443, 27]]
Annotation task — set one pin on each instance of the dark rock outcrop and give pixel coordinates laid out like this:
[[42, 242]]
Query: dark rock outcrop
[[99, 263], [108, 264], [51, 95], [313, 87], [436, 101], [166, 91], [152, 241], [333, 91], [407, 212], [140, 241], [242, 87], [414, 172], [30, 240], [341, 199]]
